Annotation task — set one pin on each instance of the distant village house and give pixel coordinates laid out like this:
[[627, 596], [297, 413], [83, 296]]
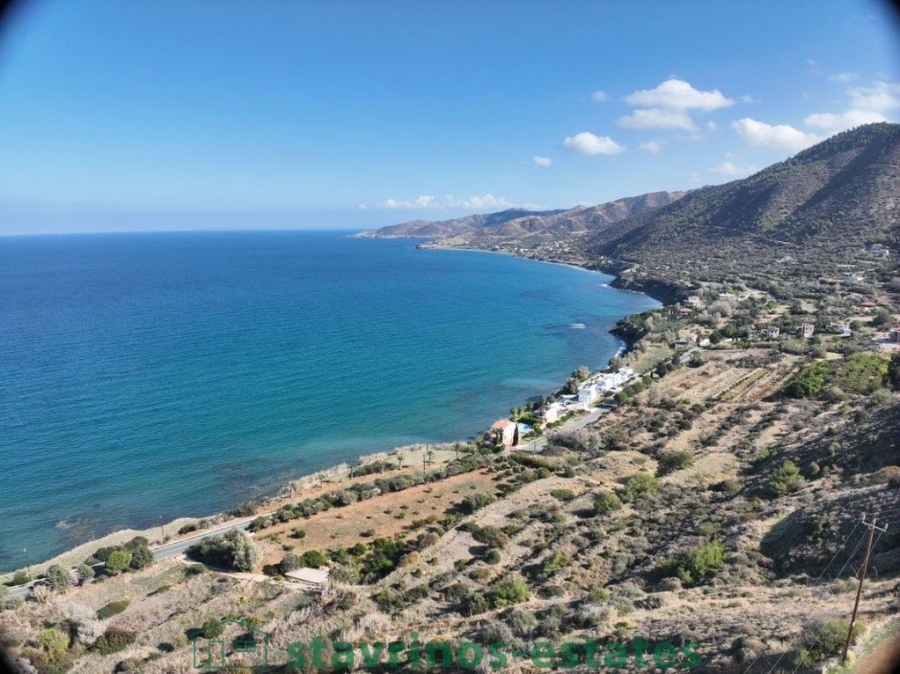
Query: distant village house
[[807, 330]]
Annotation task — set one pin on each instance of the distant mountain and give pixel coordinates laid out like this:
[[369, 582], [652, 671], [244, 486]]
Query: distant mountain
[[818, 208], [523, 227], [424, 229]]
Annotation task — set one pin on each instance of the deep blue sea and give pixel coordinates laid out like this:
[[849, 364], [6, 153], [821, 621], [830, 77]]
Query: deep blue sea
[[145, 377]]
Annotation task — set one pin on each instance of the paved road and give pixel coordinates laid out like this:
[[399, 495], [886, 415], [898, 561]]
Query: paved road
[[159, 551]]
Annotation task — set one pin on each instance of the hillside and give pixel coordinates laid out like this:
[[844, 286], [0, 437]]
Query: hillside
[[424, 229], [524, 228], [817, 210]]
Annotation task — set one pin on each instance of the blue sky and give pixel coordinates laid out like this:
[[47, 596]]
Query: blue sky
[[156, 114]]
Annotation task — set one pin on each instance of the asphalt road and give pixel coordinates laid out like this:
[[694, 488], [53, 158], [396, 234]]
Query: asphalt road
[[159, 552]]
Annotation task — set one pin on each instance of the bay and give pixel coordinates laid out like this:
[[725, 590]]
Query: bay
[[145, 377]]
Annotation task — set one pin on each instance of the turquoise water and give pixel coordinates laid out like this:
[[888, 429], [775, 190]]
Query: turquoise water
[[149, 376]]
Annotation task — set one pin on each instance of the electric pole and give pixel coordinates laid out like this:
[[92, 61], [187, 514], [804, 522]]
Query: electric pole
[[862, 577]]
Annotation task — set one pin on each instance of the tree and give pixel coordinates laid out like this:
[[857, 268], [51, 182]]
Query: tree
[[141, 557], [784, 479], [84, 573], [429, 456], [234, 550], [57, 579], [117, 561]]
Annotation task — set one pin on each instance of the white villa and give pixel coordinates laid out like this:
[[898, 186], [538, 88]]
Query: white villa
[[841, 327], [610, 382]]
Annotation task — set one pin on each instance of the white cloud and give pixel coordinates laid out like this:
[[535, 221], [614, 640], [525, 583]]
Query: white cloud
[[656, 118], [866, 105], [651, 146], [589, 144], [844, 77], [600, 96], [833, 123], [677, 94], [486, 201], [881, 97], [731, 169], [747, 98], [781, 136], [427, 201], [542, 161], [712, 126]]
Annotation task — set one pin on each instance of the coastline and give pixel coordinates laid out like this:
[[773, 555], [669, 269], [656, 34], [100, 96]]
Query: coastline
[[332, 475]]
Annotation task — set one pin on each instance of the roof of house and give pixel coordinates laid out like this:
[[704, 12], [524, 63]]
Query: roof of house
[[502, 423]]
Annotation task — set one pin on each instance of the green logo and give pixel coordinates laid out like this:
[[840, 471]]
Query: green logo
[[230, 644]]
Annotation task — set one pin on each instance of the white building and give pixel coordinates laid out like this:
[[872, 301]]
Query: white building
[[551, 412], [609, 382]]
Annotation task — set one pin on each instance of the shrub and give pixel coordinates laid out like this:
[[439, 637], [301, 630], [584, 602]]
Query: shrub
[[188, 528], [555, 562], [57, 578], [313, 559], [117, 561], [21, 577], [141, 558], [113, 641], [563, 494], [299, 533], [289, 562], [84, 573], [823, 640], [492, 536], [246, 509], [112, 608], [641, 484], [607, 502], [493, 556], [234, 550], [672, 460], [508, 591], [698, 563], [784, 479], [476, 501]]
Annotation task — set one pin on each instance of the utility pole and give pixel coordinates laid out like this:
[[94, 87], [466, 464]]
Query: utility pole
[[862, 577]]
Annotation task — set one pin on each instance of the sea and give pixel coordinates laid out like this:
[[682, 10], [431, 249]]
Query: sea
[[150, 376]]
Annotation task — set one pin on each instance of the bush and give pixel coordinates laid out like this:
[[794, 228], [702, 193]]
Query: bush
[[234, 550], [563, 494], [141, 558], [820, 641], [784, 479], [113, 641], [57, 579], [697, 564], [492, 536], [21, 577], [641, 484], [508, 591], [607, 502], [672, 460], [84, 573], [555, 562], [313, 559], [476, 501], [112, 608], [290, 562], [187, 528], [117, 561], [493, 556], [299, 533]]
